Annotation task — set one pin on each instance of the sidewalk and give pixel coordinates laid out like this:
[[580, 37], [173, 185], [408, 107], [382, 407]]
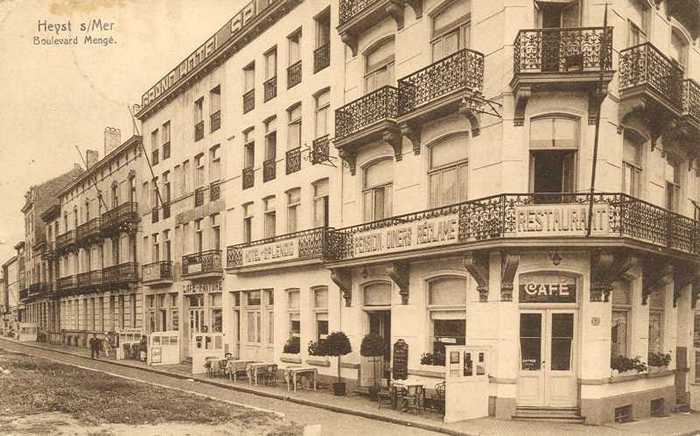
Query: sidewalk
[[677, 424]]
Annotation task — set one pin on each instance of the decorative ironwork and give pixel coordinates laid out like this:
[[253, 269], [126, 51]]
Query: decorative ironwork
[[645, 66], [96, 277], [293, 160], [198, 197], [208, 261], [88, 231], [322, 57], [166, 150], [461, 71], [121, 218], [691, 99], [121, 274], [294, 74], [214, 122], [249, 101], [84, 280], [562, 50], [248, 177], [66, 240], [214, 191], [66, 283], [313, 244], [350, 8], [269, 169], [320, 150], [199, 131], [270, 89], [162, 270], [367, 110]]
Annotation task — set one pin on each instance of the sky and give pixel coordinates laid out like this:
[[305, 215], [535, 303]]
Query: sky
[[57, 97]]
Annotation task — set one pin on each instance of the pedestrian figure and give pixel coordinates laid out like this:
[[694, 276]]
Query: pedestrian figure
[[94, 347]]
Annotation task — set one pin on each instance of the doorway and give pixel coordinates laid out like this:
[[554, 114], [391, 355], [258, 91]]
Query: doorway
[[552, 17], [380, 324], [547, 373]]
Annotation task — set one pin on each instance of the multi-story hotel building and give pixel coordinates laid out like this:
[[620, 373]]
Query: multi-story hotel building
[[92, 235]]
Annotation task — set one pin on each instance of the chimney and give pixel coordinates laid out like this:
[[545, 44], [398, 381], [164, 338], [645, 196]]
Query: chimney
[[91, 157], [113, 139]]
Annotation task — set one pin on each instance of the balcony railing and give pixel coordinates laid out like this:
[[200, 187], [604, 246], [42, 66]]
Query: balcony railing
[[198, 197], [367, 110], [269, 169], [248, 177], [350, 8], [123, 214], [691, 99], [249, 101], [208, 261], [199, 131], [294, 74], [154, 215], [156, 271], [23, 294], [461, 71], [303, 245], [37, 288], [96, 277], [645, 66], [84, 280], [293, 160], [214, 122], [270, 89], [119, 274], [89, 230], [66, 283], [322, 57], [320, 150], [562, 50], [214, 191], [521, 216], [66, 240]]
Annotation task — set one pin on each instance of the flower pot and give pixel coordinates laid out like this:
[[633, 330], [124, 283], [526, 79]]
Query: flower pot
[[339, 389]]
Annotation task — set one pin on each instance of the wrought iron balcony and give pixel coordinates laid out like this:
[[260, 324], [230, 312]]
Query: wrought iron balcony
[[293, 160], [646, 73], [248, 177], [198, 197], [89, 231], [199, 131], [214, 191], [37, 288], [158, 271], [214, 122], [66, 240], [322, 57], [96, 278], [509, 217], [205, 262], [67, 283], [249, 101], [691, 102], [269, 169], [23, 294], [294, 74], [299, 246], [84, 280], [320, 150], [270, 89], [123, 273], [122, 218]]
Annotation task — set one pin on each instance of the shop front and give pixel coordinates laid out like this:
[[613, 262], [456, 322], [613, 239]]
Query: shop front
[[203, 307]]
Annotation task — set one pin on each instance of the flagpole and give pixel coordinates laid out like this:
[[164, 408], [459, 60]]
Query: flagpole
[[145, 155]]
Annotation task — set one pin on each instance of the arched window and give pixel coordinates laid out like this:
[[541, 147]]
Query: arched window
[[377, 190], [633, 146], [554, 141], [448, 172], [451, 26], [377, 294], [447, 301], [115, 194], [379, 66]]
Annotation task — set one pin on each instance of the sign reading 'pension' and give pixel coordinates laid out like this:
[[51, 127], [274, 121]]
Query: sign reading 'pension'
[[560, 220], [277, 251], [431, 232]]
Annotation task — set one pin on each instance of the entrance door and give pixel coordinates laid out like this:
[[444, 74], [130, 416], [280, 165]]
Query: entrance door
[[547, 375], [552, 18], [380, 324]]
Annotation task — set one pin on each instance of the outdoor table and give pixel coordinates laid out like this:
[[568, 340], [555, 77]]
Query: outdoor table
[[253, 369], [291, 372], [233, 367], [406, 385]]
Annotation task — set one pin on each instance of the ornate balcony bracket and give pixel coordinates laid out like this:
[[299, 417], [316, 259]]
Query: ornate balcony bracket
[[521, 97], [509, 266], [399, 273], [607, 268], [354, 20], [478, 267], [394, 139], [395, 10], [658, 122], [350, 159], [473, 116], [684, 275], [413, 135], [656, 273], [596, 95], [351, 41], [417, 6], [343, 279]]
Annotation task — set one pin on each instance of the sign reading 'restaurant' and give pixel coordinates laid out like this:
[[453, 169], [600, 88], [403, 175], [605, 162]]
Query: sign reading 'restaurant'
[[547, 289], [431, 232], [277, 251], [560, 220]]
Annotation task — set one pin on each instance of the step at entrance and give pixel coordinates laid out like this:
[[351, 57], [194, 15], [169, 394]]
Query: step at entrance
[[549, 414]]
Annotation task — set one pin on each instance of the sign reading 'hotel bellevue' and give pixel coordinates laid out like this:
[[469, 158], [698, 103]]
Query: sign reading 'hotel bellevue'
[[276, 251], [431, 232], [560, 220]]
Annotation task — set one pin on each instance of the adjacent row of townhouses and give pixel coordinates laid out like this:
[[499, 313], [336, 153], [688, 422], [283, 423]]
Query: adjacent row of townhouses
[[417, 169]]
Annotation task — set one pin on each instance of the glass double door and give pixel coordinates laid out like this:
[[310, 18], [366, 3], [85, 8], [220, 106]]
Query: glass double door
[[547, 373]]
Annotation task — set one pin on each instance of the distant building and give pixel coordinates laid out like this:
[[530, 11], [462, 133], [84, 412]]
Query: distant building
[[11, 287]]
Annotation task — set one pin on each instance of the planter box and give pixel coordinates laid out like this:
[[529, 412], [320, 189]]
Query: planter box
[[290, 358], [318, 361], [371, 370]]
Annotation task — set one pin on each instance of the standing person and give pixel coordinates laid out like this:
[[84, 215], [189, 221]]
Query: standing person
[[93, 346]]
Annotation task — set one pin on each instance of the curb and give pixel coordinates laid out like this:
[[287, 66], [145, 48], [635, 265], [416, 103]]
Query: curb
[[282, 397]]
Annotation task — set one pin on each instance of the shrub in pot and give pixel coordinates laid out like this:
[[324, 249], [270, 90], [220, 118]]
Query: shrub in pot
[[658, 360], [338, 345], [292, 346], [372, 363], [318, 348]]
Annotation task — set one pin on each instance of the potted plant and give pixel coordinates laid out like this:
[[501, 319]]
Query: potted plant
[[372, 363], [318, 348], [621, 365], [338, 345], [433, 359], [292, 346], [658, 361]]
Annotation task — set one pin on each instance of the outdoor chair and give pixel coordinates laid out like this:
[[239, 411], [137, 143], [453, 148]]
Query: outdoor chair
[[414, 398], [438, 399], [384, 396]]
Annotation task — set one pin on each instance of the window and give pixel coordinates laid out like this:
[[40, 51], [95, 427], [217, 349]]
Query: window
[[294, 128], [293, 201], [447, 298], [166, 140], [633, 144], [553, 145], [679, 49], [154, 192], [379, 66], [320, 296], [271, 138], [639, 22], [154, 147], [215, 108], [247, 222], [657, 306], [249, 77], [322, 109], [323, 29], [167, 253], [253, 315], [621, 328], [115, 196], [451, 27], [199, 170], [155, 248], [214, 163], [377, 188], [248, 149], [270, 315], [186, 177], [449, 170], [216, 312], [321, 203], [178, 180], [166, 187], [271, 64], [270, 217], [673, 183], [215, 232], [198, 236], [198, 110], [293, 308], [294, 47]]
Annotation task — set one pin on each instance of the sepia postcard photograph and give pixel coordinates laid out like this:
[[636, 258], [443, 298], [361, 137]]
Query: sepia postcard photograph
[[350, 217]]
